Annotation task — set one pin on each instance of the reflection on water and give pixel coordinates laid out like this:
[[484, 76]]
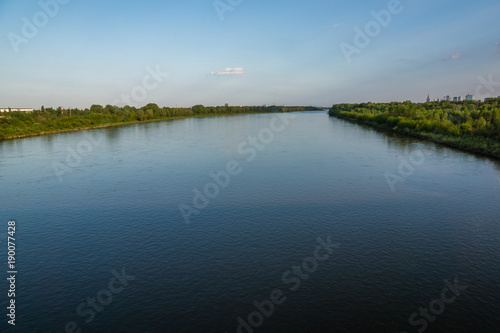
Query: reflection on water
[[319, 176]]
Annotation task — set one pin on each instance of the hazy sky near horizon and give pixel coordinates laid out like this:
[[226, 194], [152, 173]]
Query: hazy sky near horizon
[[244, 52]]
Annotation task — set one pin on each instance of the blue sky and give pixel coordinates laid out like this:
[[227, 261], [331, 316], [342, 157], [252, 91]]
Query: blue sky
[[261, 52]]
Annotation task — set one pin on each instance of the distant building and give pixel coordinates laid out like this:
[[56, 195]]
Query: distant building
[[455, 99], [447, 98], [16, 109], [428, 99], [469, 97], [226, 105]]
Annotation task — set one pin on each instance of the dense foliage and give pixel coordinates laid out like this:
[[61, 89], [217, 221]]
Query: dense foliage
[[16, 124], [469, 125]]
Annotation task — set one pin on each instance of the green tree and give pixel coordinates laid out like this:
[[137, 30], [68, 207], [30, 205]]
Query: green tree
[[198, 109], [95, 108]]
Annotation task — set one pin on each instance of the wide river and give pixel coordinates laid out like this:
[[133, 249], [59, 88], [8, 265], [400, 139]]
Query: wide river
[[249, 223]]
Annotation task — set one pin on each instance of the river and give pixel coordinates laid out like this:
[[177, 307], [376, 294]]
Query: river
[[292, 222]]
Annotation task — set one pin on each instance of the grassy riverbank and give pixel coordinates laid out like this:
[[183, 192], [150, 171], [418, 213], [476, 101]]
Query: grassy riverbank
[[48, 120], [469, 125]]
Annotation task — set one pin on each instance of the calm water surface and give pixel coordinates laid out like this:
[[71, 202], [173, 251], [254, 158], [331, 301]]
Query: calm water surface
[[94, 205]]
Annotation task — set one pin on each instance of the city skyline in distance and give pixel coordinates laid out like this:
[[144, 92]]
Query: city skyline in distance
[[75, 54]]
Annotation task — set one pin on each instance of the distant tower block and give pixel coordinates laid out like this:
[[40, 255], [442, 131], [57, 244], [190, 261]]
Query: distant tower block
[[428, 99]]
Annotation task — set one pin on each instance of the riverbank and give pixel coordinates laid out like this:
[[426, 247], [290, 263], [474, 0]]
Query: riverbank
[[16, 125], [466, 142], [113, 125]]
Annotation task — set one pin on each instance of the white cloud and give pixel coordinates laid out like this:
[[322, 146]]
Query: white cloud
[[230, 71], [336, 25], [453, 57]]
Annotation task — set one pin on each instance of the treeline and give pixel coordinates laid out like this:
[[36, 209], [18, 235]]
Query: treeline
[[46, 120], [469, 125], [301, 108]]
